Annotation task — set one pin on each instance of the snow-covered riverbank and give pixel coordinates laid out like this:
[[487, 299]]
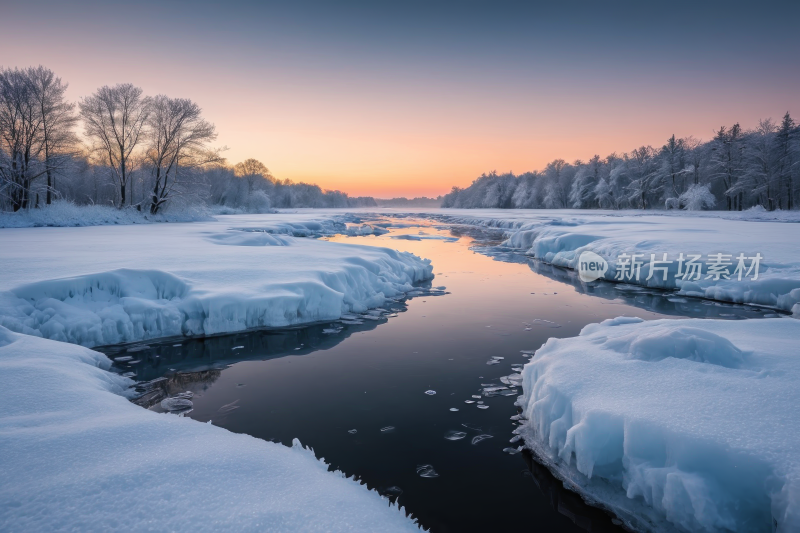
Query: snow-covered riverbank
[[674, 422], [114, 284], [78, 456], [560, 237]]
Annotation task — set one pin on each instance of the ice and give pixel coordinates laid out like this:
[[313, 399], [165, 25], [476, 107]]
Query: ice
[[138, 348], [691, 423], [228, 407], [512, 451], [469, 401], [454, 409], [352, 431], [430, 392], [143, 282], [237, 348], [492, 362], [480, 438], [426, 471], [387, 429], [483, 407], [176, 404], [477, 396], [455, 435], [391, 492], [77, 455], [123, 359]]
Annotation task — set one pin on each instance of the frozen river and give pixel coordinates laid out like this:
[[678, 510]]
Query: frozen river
[[360, 391]]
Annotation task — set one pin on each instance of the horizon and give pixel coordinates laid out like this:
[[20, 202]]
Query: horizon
[[406, 101]]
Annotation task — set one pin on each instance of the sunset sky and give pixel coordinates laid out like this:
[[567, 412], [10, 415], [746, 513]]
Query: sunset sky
[[408, 98]]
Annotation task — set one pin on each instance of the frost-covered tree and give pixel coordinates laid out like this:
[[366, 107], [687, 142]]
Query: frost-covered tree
[[114, 120], [177, 145]]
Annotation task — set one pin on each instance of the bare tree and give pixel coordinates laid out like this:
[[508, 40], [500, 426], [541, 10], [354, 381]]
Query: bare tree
[[252, 170], [177, 138], [114, 119], [57, 122], [20, 124]]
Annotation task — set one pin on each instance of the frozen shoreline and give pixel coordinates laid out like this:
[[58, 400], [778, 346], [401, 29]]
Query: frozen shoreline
[[559, 237], [77, 455], [139, 282], [673, 422]]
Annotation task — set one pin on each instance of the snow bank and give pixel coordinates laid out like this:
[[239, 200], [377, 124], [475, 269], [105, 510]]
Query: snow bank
[[129, 283], [63, 213], [684, 422], [78, 456], [559, 238]]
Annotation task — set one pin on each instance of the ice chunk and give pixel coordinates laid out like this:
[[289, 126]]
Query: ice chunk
[[688, 422], [176, 404], [352, 431], [387, 429], [228, 407], [453, 409], [469, 401], [430, 392], [480, 438], [123, 359], [512, 451], [483, 407], [454, 435], [426, 471]]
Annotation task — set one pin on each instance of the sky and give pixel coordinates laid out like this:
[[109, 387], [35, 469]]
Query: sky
[[411, 98]]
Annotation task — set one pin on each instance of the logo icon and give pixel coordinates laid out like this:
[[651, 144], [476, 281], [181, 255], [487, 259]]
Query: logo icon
[[591, 266]]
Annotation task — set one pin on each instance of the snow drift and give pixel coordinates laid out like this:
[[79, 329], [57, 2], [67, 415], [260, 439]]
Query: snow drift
[[683, 423], [190, 279], [78, 456]]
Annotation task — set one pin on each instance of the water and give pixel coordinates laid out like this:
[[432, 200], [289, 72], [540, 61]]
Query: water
[[355, 391]]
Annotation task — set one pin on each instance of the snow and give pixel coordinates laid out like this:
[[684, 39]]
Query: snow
[[119, 284], [78, 456], [64, 213], [560, 236], [684, 422]]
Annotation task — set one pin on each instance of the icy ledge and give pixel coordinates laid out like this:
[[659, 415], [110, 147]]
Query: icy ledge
[[687, 423], [78, 456], [119, 284]]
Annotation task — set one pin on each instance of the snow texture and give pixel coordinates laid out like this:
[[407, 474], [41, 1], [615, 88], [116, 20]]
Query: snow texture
[[119, 284], [78, 456], [673, 423], [559, 238]]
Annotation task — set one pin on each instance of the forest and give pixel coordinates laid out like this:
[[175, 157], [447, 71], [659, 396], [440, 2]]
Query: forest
[[148, 153], [737, 169]]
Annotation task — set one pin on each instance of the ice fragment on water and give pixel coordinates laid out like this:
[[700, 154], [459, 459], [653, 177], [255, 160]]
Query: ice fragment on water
[[469, 401], [483, 407], [176, 404], [227, 408], [237, 347], [387, 429], [426, 471], [453, 409], [430, 392], [352, 431], [123, 358], [512, 451], [480, 438], [455, 435]]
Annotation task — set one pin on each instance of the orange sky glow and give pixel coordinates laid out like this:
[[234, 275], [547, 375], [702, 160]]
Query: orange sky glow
[[388, 124]]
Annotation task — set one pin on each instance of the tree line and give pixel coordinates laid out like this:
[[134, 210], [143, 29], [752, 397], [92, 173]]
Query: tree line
[[145, 152], [736, 170]]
